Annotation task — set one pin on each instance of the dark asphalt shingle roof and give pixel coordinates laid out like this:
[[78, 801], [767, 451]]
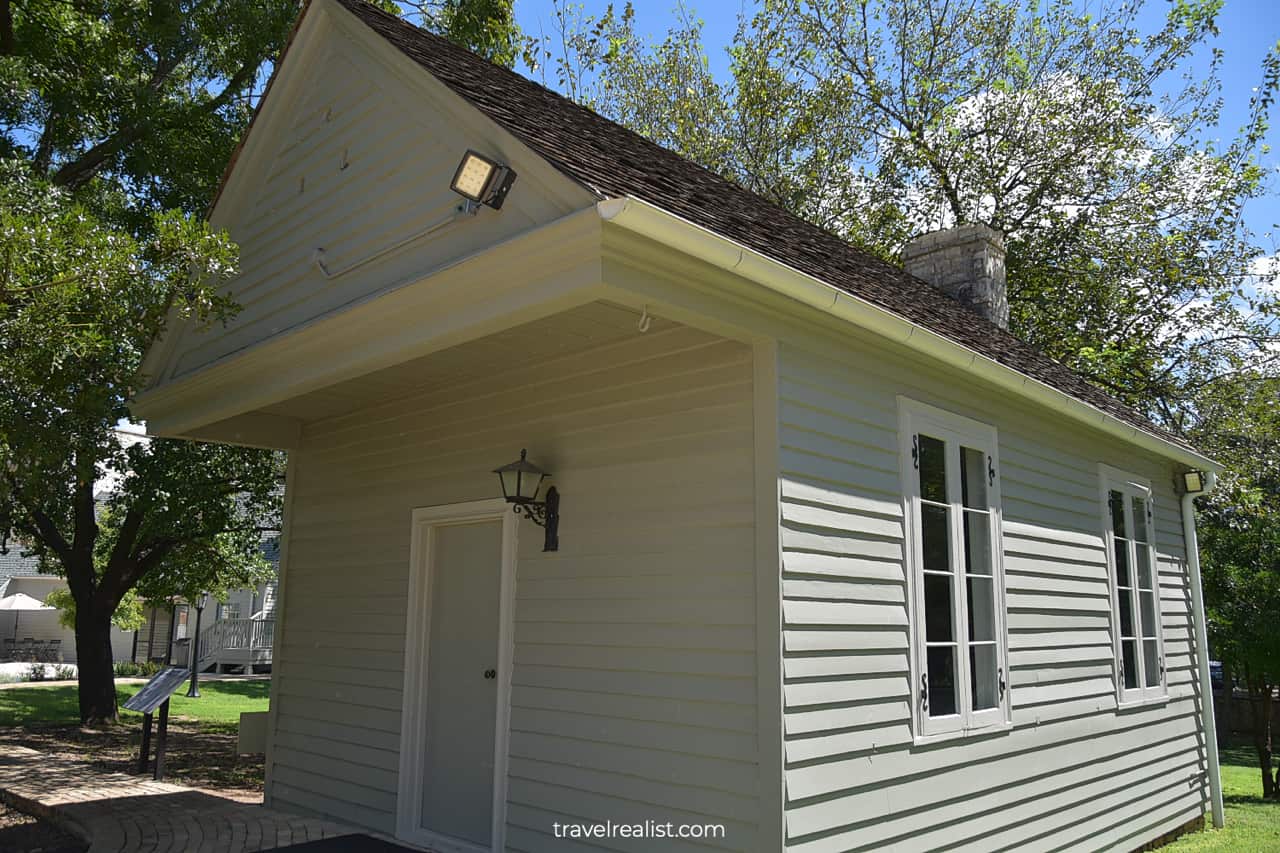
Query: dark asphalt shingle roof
[[614, 162], [16, 563]]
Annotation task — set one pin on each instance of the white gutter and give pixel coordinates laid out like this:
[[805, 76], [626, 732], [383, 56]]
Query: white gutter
[[1202, 649], [668, 229]]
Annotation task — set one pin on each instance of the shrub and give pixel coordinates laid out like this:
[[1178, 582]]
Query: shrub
[[63, 672], [130, 669], [35, 672]]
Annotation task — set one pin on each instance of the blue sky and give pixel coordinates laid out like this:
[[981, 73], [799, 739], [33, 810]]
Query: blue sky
[[1248, 29]]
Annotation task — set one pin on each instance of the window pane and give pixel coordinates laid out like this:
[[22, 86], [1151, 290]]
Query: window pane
[[1126, 613], [1140, 520], [973, 477], [1129, 651], [982, 617], [977, 542], [935, 524], [983, 679], [1144, 567], [1151, 663], [1148, 598], [942, 681], [1122, 563], [938, 609], [1116, 503], [933, 469]]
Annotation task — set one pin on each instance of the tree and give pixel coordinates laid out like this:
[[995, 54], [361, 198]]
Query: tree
[[112, 111], [1240, 540], [151, 97], [80, 300], [486, 27], [1074, 133]]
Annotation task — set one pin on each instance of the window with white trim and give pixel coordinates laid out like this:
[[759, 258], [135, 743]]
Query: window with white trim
[[1129, 522], [959, 641]]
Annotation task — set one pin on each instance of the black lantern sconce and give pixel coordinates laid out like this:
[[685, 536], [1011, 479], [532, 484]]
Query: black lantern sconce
[[521, 482]]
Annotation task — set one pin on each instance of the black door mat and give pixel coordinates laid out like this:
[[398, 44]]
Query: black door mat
[[350, 844]]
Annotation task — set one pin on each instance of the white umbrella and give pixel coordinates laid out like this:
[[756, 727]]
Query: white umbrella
[[20, 601]]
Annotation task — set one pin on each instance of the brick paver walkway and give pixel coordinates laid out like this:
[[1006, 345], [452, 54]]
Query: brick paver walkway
[[119, 813]]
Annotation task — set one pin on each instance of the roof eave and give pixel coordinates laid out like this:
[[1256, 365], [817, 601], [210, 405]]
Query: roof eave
[[651, 221]]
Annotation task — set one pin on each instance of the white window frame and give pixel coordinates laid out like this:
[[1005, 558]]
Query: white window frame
[[1131, 486], [915, 418]]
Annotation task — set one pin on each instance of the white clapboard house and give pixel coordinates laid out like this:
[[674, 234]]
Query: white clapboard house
[[837, 562]]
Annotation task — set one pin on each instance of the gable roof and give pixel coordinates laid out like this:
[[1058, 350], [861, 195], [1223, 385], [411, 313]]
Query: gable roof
[[613, 162]]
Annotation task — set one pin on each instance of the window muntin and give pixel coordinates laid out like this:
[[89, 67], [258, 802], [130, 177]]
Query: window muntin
[[1139, 647], [959, 639]]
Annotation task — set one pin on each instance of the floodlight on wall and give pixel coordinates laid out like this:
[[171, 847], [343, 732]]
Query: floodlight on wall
[[1193, 482], [521, 482], [481, 180]]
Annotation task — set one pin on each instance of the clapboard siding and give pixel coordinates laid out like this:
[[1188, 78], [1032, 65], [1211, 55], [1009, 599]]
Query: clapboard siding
[[1074, 773], [634, 687], [319, 179]]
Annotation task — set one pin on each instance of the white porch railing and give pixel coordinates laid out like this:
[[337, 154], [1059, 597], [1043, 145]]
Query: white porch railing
[[251, 635]]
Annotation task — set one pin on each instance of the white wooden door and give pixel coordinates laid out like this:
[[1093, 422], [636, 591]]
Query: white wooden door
[[453, 773], [461, 676]]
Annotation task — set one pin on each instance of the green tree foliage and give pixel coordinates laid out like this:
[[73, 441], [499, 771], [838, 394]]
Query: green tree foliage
[[80, 301], [487, 27], [112, 111], [1240, 540], [150, 96], [1075, 133], [128, 615]]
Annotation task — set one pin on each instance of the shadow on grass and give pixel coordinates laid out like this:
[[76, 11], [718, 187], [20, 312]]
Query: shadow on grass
[[256, 689]]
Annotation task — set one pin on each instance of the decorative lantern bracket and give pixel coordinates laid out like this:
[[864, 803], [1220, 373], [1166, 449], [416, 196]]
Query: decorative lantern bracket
[[521, 482]]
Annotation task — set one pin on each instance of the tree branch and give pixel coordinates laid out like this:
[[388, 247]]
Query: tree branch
[[6, 28], [77, 172]]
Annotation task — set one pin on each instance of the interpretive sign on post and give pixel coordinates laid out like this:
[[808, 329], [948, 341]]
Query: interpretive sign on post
[[155, 694]]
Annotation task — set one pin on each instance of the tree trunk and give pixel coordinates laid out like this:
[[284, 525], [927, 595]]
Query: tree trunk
[[95, 665], [1260, 704]]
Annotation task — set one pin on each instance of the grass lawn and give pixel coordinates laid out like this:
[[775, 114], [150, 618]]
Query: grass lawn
[[218, 707], [202, 733], [1253, 824]]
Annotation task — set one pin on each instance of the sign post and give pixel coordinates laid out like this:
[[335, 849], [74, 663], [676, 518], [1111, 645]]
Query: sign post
[[155, 694]]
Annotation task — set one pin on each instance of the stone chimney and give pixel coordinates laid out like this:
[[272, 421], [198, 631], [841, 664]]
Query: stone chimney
[[966, 263]]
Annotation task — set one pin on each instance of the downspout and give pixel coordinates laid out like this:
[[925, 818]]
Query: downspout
[[1202, 649]]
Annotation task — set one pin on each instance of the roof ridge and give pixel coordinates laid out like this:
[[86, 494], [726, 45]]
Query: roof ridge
[[610, 160], [520, 79]]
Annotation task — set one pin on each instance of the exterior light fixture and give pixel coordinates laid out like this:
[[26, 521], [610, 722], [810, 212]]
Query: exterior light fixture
[[521, 481], [202, 601], [482, 181], [1193, 482]]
